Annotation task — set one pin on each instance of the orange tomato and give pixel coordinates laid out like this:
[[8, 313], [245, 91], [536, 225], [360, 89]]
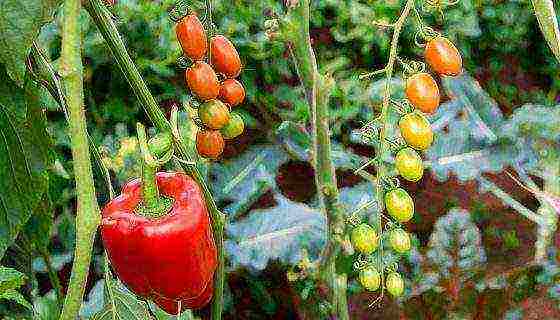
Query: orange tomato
[[202, 81], [214, 114], [192, 37], [422, 92], [224, 57], [232, 92], [443, 57], [209, 143]]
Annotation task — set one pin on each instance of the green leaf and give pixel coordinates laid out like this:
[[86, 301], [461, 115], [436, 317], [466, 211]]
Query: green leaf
[[15, 296], [24, 157], [10, 279], [20, 21], [37, 231], [544, 10], [120, 303]]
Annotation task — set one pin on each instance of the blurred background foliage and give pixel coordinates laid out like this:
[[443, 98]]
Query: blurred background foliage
[[473, 255]]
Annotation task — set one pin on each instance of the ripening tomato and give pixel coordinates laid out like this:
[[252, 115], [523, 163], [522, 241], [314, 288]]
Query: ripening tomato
[[214, 114], [202, 81], [370, 278], [442, 55], [364, 238], [416, 131], [232, 92], [399, 240], [224, 56], [422, 91], [209, 143], [394, 284], [192, 37], [234, 127], [399, 204], [409, 164]]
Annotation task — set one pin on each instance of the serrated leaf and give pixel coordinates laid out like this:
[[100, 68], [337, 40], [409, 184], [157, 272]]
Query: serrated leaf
[[10, 279], [24, 156], [15, 296], [281, 233], [544, 10], [20, 21], [120, 303], [456, 243]]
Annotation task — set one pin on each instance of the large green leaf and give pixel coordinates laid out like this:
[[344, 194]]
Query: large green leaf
[[20, 21], [10, 280], [24, 156], [544, 10]]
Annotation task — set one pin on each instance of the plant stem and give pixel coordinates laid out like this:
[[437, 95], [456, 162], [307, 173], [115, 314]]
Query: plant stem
[[546, 230], [102, 18], [383, 146], [317, 89], [53, 276], [87, 216]]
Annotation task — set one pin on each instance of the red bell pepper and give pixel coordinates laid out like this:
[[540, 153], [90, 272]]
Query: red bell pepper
[[169, 259]]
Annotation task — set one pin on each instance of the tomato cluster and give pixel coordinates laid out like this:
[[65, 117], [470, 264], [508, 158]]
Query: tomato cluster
[[423, 97], [211, 79]]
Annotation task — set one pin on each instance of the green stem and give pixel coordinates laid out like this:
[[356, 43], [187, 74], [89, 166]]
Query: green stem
[[53, 276], [341, 297], [102, 18], [150, 192], [546, 230], [383, 145], [317, 89], [87, 216]]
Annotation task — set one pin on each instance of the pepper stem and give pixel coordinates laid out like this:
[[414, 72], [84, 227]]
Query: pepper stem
[[152, 204]]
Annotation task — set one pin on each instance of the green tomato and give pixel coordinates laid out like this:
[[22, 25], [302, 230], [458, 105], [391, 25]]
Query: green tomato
[[364, 238], [370, 278], [409, 164], [234, 127], [399, 240], [395, 284], [399, 204], [416, 131]]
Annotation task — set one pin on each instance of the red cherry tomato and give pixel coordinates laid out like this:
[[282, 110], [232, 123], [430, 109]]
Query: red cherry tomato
[[442, 55], [202, 81], [224, 57], [232, 92], [422, 92], [209, 143], [192, 37]]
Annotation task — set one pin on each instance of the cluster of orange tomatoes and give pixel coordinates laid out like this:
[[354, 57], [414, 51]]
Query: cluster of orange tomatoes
[[211, 79], [423, 94]]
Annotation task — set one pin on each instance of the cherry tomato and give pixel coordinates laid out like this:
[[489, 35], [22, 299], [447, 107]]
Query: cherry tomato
[[370, 278], [394, 284], [192, 37], [364, 238], [416, 131], [399, 204], [225, 58], [202, 81], [234, 127], [232, 92], [214, 114], [409, 164], [209, 143], [399, 240], [442, 55], [422, 91]]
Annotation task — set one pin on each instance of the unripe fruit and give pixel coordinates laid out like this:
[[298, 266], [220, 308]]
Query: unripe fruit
[[409, 164], [399, 240], [234, 127], [214, 114], [399, 205], [209, 143], [192, 37], [364, 238], [224, 57], [442, 55], [395, 284], [232, 92], [416, 131], [202, 81], [370, 278], [422, 91]]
